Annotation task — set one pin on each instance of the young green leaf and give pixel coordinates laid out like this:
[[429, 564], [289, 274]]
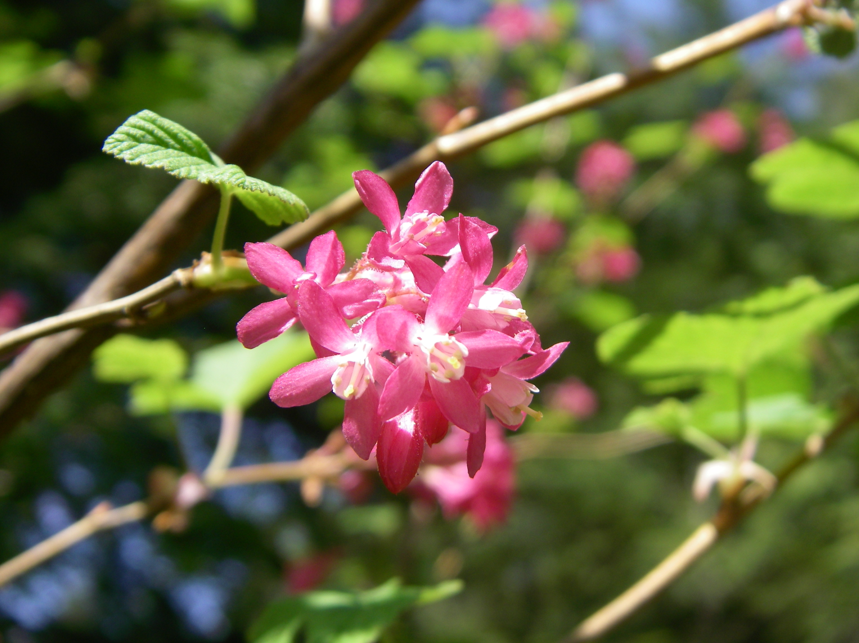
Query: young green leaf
[[340, 617], [153, 141]]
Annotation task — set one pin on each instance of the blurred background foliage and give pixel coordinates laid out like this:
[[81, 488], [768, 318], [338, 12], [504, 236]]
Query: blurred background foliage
[[643, 205]]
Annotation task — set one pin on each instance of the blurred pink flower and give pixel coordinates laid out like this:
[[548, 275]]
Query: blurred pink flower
[[512, 23], [794, 46], [620, 264], [540, 234], [604, 263], [603, 171], [343, 11], [436, 112], [722, 130], [356, 485], [308, 573], [774, 131], [574, 397], [13, 306], [486, 498]]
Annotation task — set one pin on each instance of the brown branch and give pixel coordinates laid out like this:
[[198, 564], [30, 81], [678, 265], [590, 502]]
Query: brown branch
[[93, 315], [734, 508], [102, 517], [181, 217]]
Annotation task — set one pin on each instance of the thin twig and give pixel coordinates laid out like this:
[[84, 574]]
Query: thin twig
[[102, 517], [734, 508], [92, 315], [228, 442]]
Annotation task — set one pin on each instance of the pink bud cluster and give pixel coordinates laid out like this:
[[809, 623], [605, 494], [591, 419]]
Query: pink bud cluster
[[514, 23], [603, 172], [412, 347], [722, 129]]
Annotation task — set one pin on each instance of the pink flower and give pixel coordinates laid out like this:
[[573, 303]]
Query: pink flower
[[774, 131], [620, 264], [722, 130], [574, 397], [543, 235], [794, 46], [603, 172], [511, 23], [606, 263], [431, 346], [343, 11], [308, 573], [436, 112], [486, 498], [13, 306], [275, 268]]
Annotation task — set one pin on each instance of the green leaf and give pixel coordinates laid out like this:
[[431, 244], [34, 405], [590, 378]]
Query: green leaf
[[656, 140], [271, 203], [153, 141], [394, 69], [158, 397], [600, 310], [436, 41], [340, 617], [814, 177], [234, 375], [683, 343], [126, 359], [240, 13]]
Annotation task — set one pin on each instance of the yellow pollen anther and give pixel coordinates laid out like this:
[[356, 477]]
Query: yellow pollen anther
[[454, 363], [349, 392]]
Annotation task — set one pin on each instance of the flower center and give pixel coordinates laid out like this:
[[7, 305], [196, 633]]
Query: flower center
[[353, 374], [445, 357]]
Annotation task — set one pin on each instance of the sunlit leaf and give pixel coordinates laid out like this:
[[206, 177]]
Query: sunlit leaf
[[156, 142], [126, 359], [814, 177], [656, 140], [340, 617], [683, 343]]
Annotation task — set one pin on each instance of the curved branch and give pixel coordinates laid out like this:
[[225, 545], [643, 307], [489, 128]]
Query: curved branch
[[102, 517], [734, 508]]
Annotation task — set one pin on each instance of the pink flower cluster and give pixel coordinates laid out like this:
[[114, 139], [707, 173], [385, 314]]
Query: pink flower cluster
[[603, 172], [722, 129], [429, 346], [514, 23]]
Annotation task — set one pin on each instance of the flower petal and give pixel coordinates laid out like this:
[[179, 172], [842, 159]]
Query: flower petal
[[399, 451], [432, 190], [379, 198], [476, 248], [265, 322], [489, 348], [392, 328], [450, 298], [458, 403], [512, 274], [355, 298], [426, 272], [305, 383], [403, 388], [325, 257], [476, 449], [534, 365], [272, 266], [322, 319], [434, 426], [361, 423]]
